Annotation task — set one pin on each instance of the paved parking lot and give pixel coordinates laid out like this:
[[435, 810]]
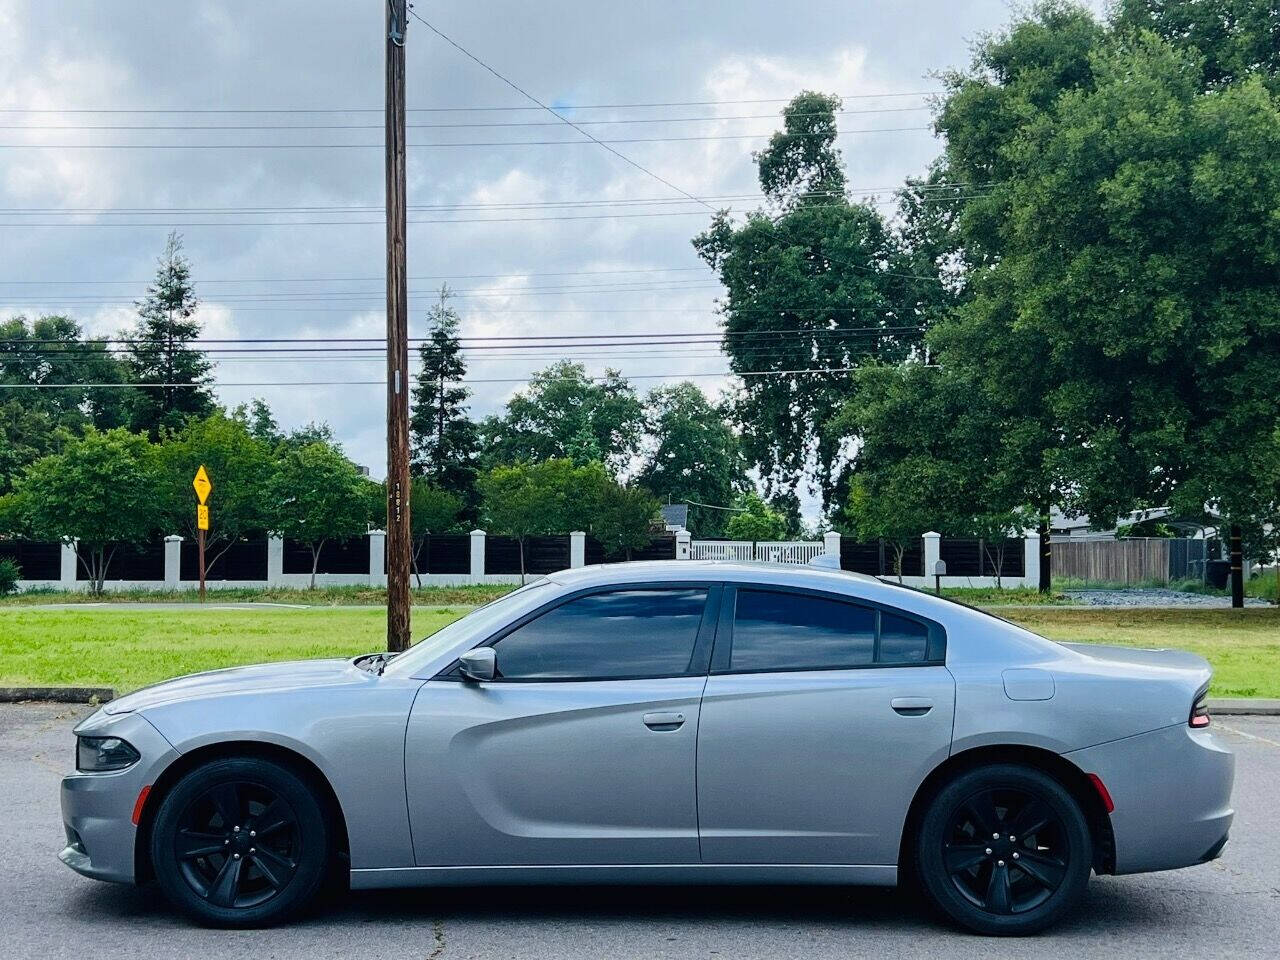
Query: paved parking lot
[[1230, 908]]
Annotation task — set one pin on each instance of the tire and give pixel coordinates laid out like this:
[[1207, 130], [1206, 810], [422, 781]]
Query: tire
[[263, 866], [976, 875]]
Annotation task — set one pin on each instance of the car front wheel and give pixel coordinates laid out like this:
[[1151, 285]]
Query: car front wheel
[[240, 843], [1004, 850]]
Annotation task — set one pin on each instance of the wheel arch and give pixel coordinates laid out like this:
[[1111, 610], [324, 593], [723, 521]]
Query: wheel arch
[[237, 749], [1072, 778]]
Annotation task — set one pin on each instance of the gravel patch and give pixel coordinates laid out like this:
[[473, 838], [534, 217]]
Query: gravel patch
[[1155, 597]]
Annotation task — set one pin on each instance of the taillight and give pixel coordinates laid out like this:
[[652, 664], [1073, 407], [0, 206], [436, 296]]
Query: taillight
[[1200, 710]]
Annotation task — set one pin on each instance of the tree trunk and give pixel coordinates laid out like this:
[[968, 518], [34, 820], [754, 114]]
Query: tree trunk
[[898, 551], [315, 562], [1237, 568], [1046, 555], [520, 543]]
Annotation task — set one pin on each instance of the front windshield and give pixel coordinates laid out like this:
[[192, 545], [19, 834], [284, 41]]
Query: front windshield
[[478, 621]]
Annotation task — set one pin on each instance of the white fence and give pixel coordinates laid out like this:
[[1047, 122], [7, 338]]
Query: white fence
[[781, 551]]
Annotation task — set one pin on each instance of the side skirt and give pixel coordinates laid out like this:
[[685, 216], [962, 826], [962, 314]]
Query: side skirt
[[677, 874]]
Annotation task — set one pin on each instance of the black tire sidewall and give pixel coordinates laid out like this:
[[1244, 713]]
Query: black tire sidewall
[[312, 826], [932, 874]]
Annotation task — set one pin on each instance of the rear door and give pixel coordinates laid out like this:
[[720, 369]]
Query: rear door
[[820, 720], [582, 750]]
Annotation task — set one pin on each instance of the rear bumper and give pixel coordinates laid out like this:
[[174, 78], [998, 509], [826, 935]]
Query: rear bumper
[[1172, 794], [97, 808]]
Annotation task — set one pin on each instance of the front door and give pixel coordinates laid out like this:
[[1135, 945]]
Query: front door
[[819, 722], [582, 750]]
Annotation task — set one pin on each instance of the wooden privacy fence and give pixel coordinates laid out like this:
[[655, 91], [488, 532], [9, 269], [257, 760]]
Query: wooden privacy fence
[[1135, 560]]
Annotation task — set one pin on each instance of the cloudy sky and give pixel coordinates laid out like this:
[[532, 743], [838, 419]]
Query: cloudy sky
[[287, 241]]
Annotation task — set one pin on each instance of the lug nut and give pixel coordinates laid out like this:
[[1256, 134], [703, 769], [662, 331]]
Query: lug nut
[[225, 842], [999, 863], [236, 830], [1015, 856], [988, 851], [1013, 839], [994, 836], [254, 833], [236, 856], [251, 850]]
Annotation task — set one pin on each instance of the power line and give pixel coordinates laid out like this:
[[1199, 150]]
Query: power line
[[382, 383], [455, 109], [440, 276], [607, 144], [447, 126], [528, 96]]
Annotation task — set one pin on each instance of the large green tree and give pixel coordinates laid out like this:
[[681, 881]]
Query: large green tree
[[34, 355], [531, 499], [314, 495], [445, 443], [239, 466], [564, 414], [162, 349], [695, 458], [99, 490], [624, 518], [809, 286]]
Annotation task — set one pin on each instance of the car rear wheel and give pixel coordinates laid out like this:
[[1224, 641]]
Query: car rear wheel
[[240, 843], [1004, 850]]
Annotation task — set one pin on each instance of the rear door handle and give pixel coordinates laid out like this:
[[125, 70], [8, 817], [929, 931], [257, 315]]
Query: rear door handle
[[664, 721], [911, 706]]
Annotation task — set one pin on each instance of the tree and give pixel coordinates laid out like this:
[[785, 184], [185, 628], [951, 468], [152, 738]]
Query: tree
[[52, 350], [696, 458], [431, 510], [624, 518], [811, 288], [756, 520], [315, 495], [238, 464], [529, 499], [1236, 38], [564, 414], [445, 442], [161, 350], [98, 490]]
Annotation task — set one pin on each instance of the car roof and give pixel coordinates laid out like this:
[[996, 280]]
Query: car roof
[[800, 575]]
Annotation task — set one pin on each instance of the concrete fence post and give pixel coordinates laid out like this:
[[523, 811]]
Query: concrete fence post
[[275, 561], [683, 541], [173, 561], [477, 556], [67, 564], [377, 557], [1031, 558], [577, 548], [831, 544], [932, 551]]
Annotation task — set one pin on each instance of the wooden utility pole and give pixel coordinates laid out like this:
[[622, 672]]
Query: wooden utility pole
[[1237, 567], [399, 538]]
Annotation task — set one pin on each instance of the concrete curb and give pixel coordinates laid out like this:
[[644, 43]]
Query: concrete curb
[[56, 694], [1244, 707]]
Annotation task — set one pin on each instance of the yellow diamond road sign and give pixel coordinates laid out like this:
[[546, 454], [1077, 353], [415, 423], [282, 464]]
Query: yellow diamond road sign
[[202, 484]]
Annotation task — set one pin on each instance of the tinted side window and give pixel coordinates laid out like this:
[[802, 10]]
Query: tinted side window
[[902, 640], [789, 631], [624, 633]]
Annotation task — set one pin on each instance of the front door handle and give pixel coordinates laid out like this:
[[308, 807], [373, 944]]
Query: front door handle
[[911, 706], [664, 721]]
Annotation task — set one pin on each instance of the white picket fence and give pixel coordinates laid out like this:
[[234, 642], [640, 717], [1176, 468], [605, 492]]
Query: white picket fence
[[783, 551]]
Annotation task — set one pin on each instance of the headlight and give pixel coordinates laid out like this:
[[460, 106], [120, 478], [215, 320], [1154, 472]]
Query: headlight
[[98, 754]]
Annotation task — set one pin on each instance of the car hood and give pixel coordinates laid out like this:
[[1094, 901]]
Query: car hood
[[289, 675]]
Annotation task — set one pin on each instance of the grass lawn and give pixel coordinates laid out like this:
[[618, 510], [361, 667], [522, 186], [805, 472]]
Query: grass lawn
[[125, 648]]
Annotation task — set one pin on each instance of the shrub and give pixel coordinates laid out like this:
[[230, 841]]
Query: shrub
[[10, 574]]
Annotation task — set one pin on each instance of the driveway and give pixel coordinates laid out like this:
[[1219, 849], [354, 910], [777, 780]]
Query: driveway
[[1230, 908]]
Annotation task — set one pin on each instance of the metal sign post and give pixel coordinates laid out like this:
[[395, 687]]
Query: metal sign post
[[202, 487]]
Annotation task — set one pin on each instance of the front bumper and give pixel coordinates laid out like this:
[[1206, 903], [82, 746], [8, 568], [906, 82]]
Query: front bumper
[[97, 808], [1172, 794]]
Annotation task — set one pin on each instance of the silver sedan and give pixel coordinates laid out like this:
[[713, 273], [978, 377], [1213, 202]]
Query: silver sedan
[[677, 722]]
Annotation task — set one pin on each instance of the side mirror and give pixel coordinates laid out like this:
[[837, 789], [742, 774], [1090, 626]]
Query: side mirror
[[479, 664]]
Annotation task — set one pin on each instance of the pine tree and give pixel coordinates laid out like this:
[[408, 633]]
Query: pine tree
[[160, 349], [444, 437]]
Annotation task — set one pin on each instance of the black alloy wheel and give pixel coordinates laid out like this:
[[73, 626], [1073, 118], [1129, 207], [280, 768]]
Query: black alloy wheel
[[237, 845], [240, 842], [1004, 849]]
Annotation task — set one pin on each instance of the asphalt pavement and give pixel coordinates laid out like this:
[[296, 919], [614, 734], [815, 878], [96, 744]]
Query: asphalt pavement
[[1230, 908]]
